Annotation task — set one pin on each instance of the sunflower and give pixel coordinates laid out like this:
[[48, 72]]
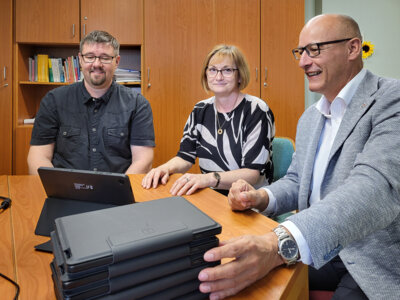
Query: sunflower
[[367, 49]]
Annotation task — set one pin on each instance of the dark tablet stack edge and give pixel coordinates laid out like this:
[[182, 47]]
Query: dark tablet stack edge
[[163, 274]]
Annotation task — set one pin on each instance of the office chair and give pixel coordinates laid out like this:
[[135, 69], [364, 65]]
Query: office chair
[[282, 151]]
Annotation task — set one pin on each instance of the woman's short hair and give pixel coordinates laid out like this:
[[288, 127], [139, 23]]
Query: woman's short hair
[[238, 59], [100, 37]]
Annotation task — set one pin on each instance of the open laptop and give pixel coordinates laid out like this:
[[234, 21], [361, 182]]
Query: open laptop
[[71, 192]]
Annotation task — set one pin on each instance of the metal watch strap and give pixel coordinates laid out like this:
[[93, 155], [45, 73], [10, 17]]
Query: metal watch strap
[[282, 235]]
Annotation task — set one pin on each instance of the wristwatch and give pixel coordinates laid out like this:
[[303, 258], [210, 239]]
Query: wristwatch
[[287, 246], [218, 177]]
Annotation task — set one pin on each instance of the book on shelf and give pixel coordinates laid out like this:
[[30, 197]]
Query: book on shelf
[[35, 62], [43, 68], [55, 70], [30, 60], [51, 79]]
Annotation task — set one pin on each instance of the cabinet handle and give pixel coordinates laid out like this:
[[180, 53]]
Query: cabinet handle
[[256, 74], [148, 77], [265, 77], [84, 29], [5, 75], [73, 30]]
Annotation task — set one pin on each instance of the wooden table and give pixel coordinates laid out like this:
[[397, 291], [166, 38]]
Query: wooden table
[[7, 290], [32, 268]]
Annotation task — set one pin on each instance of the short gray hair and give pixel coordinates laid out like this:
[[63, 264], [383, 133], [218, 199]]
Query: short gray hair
[[101, 37]]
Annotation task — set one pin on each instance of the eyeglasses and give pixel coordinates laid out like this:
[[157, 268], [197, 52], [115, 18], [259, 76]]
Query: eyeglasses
[[314, 49], [226, 72], [90, 58]]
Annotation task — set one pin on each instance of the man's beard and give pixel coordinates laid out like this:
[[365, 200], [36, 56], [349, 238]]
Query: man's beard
[[98, 80]]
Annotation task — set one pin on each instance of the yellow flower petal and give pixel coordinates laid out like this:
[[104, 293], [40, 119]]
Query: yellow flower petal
[[367, 49]]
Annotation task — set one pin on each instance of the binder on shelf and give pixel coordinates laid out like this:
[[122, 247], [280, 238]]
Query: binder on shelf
[[43, 68], [30, 61], [35, 61], [61, 69], [51, 78]]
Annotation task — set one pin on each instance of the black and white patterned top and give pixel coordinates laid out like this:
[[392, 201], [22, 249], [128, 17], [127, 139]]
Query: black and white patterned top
[[246, 141]]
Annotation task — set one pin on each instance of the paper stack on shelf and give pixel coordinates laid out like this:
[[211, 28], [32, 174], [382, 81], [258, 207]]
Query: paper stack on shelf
[[127, 75]]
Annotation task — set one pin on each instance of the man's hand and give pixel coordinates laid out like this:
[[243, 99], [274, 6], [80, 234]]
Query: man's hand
[[243, 196], [254, 257]]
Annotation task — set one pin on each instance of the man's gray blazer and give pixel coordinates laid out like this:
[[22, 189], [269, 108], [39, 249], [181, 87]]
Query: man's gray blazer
[[358, 216]]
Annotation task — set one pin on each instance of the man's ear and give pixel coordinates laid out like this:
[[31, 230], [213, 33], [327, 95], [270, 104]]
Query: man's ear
[[117, 60], [354, 48]]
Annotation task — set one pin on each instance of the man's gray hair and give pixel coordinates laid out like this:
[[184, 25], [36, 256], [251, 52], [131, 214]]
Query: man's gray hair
[[101, 37]]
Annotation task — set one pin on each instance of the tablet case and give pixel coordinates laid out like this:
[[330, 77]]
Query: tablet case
[[76, 191], [115, 284], [177, 281], [113, 235], [186, 291], [73, 280]]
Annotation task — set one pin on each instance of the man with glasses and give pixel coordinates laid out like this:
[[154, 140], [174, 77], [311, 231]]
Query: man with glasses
[[95, 124], [344, 180]]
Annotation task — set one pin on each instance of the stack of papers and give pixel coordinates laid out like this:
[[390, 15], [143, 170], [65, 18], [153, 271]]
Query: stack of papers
[[127, 75]]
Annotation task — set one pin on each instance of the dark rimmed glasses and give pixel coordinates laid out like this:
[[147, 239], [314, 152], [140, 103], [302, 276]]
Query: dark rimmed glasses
[[314, 49], [226, 72], [90, 58]]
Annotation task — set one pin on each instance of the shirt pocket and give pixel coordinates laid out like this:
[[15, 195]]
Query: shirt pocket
[[117, 141], [69, 140]]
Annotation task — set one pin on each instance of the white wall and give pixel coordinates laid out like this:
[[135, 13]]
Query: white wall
[[379, 21]]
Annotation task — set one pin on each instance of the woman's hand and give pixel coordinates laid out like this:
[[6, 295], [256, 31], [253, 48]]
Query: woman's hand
[[155, 175], [188, 183]]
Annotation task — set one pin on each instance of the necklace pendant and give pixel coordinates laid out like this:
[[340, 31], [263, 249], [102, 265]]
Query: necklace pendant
[[220, 131]]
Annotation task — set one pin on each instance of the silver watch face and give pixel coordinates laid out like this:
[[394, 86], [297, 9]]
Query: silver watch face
[[289, 249]]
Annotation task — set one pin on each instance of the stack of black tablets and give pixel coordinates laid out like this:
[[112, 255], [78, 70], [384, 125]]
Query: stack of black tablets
[[148, 250]]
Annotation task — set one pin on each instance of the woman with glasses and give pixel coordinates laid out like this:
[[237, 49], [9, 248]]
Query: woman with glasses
[[230, 133]]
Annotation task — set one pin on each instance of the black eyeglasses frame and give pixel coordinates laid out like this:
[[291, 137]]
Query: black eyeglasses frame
[[300, 50]]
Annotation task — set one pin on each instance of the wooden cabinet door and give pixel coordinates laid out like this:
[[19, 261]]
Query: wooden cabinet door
[[123, 19], [177, 37], [47, 21], [237, 22], [5, 87], [282, 80]]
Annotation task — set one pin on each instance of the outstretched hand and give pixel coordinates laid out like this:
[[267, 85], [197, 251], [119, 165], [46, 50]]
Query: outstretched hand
[[156, 175], [188, 183], [253, 258]]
